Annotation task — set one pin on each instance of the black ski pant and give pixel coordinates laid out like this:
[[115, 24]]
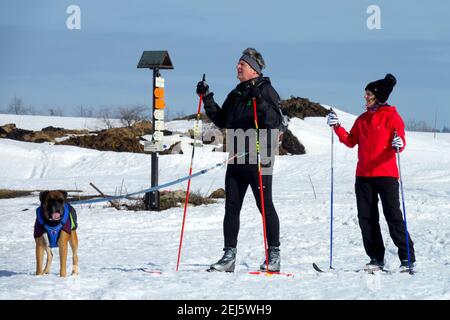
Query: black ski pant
[[367, 191], [237, 180]]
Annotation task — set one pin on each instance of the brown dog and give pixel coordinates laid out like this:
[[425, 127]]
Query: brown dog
[[55, 226]]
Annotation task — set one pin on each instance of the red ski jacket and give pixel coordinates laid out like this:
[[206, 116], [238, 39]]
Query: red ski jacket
[[373, 133]]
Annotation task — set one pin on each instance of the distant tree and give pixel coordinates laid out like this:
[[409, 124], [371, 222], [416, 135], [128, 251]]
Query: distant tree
[[16, 106], [129, 115], [106, 115], [179, 114], [422, 126], [446, 129], [32, 110], [85, 112], [55, 112]]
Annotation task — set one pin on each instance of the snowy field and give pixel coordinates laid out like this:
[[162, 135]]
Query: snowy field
[[114, 245]]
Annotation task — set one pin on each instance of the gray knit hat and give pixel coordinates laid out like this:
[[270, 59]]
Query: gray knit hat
[[254, 59]]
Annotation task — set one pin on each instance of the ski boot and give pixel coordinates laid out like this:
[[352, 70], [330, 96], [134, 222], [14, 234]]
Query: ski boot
[[374, 265], [227, 262], [274, 260], [405, 266]]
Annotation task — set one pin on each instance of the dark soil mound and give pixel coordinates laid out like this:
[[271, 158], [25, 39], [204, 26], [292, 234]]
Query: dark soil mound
[[302, 108], [48, 134], [116, 139], [291, 145]]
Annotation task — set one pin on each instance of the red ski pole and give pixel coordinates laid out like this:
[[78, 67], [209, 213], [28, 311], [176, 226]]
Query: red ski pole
[[261, 190], [190, 173]]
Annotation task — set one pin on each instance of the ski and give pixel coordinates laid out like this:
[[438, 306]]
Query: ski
[[316, 267], [410, 271], [369, 271], [271, 273], [156, 272], [160, 271], [258, 273]]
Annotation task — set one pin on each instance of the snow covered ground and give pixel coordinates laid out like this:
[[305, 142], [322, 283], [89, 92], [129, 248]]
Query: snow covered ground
[[38, 122], [114, 245]]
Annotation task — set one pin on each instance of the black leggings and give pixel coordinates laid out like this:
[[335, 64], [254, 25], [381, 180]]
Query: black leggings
[[237, 180], [367, 192]]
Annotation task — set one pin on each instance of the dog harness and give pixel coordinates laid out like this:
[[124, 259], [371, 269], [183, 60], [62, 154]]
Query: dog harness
[[53, 232]]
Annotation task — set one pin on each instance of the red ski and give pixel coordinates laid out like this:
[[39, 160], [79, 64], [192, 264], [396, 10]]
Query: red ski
[[271, 273], [258, 273]]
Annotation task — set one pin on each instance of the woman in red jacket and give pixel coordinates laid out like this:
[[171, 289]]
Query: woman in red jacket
[[378, 132]]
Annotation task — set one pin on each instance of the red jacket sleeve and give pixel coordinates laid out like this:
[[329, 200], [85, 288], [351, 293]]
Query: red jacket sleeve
[[349, 139]]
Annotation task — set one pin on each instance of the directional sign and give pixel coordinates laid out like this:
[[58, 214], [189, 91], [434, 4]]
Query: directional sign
[[159, 82], [159, 125], [159, 114], [159, 92], [158, 135], [198, 130], [153, 146], [160, 104]]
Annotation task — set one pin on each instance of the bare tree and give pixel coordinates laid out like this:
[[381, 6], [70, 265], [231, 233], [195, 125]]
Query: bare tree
[[16, 106], [129, 115], [32, 110], [422, 126], [85, 112], [180, 114], [55, 112], [106, 115]]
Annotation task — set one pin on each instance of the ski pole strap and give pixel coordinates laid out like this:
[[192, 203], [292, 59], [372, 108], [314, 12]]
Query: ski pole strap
[[170, 183]]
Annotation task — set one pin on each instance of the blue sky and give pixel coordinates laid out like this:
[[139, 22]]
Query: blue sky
[[321, 50]]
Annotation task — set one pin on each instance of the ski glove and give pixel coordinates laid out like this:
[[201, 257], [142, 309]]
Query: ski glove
[[397, 142], [202, 88], [332, 119]]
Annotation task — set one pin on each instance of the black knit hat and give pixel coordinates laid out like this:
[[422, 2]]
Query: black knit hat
[[382, 88]]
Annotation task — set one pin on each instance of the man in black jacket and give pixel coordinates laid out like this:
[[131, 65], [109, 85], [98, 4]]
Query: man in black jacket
[[237, 116]]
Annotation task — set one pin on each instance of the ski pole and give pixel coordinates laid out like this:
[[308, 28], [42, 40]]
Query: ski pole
[[261, 190], [190, 172], [331, 197], [403, 206]]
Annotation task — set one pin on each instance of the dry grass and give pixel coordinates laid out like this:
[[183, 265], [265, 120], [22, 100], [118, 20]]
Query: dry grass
[[9, 194], [171, 199]]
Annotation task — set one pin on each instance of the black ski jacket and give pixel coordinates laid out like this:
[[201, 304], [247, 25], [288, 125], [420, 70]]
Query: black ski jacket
[[237, 110], [237, 113]]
